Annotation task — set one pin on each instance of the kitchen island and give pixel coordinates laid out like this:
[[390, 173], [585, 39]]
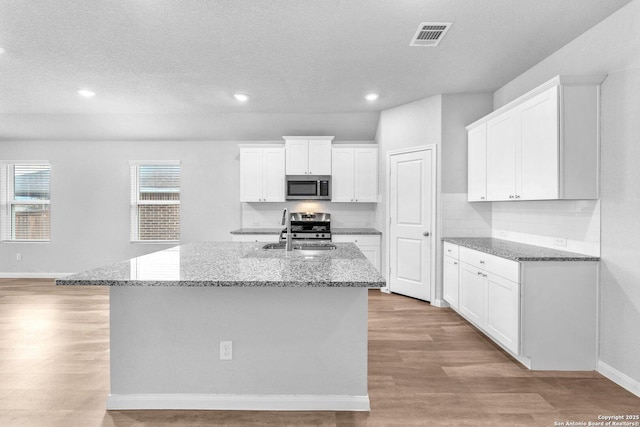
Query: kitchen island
[[297, 322]]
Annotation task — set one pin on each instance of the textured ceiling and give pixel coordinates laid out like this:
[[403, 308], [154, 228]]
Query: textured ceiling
[[167, 69]]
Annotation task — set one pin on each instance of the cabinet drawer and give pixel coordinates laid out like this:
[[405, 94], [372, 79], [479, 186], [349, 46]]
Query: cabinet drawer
[[499, 266], [451, 250], [359, 239]]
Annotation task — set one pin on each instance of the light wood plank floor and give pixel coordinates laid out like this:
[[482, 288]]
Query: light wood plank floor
[[427, 367]]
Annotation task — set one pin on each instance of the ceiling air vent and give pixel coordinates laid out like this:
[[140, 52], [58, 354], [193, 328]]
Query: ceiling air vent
[[430, 33]]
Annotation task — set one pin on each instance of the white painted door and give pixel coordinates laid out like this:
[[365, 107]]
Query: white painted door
[[273, 174], [477, 162], [501, 157], [297, 156], [319, 157], [365, 185], [250, 174], [450, 275], [539, 160], [472, 294], [343, 175], [411, 188], [503, 311]]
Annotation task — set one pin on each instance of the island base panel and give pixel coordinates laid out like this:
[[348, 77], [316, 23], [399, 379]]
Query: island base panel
[[293, 348]]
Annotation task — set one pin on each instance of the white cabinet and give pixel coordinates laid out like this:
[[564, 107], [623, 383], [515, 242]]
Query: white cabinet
[[477, 171], [502, 320], [541, 146], [262, 173], [369, 244], [308, 155], [270, 238], [472, 294], [542, 312], [354, 175], [501, 157], [451, 275]]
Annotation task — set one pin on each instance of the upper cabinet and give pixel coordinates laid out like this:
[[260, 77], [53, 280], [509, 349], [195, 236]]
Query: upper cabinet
[[542, 146], [262, 173], [308, 155], [355, 173]]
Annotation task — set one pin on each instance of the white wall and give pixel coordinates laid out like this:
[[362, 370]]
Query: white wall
[[439, 120], [90, 199], [612, 48]]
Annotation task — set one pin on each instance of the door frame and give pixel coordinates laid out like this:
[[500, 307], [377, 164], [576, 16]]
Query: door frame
[[435, 235]]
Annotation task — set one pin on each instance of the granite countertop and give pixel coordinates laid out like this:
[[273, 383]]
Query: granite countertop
[[239, 265], [517, 251], [337, 230]]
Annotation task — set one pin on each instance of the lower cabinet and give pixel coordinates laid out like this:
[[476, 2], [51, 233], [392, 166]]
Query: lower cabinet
[[369, 244], [502, 320], [542, 312], [270, 238], [451, 277], [473, 290]]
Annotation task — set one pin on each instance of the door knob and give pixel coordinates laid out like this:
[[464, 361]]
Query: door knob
[[425, 234]]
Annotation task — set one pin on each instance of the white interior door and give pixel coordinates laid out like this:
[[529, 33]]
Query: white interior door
[[411, 190]]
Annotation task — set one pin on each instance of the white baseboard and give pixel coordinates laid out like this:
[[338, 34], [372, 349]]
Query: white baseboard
[[32, 275], [439, 303], [386, 290], [619, 378], [242, 402]]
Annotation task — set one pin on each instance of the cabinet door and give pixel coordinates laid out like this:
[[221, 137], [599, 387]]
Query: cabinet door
[[451, 274], [503, 311], [319, 157], [297, 156], [343, 175], [501, 157], [250, 174], [365, 188], [477, 164], [540, 149], [373, 255], [472, 294], [273, 173]]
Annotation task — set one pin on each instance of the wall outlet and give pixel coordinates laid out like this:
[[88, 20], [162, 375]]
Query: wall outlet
[[226, 350], [501, 233], [560, 241], [18, 256]]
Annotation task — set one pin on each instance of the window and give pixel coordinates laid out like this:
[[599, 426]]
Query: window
[[155, 201], [24, 202]]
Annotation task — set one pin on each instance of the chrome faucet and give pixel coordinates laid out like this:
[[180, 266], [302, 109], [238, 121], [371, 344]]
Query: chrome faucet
[[286, 220]]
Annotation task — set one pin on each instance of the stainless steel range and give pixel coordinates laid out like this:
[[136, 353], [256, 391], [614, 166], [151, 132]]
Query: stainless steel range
[[309, 226]]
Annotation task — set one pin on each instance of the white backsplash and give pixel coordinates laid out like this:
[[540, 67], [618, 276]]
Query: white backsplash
[[346, 215], [463, 219], [570, 225]]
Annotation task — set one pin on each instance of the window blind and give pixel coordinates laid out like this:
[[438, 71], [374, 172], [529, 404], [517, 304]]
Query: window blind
[[25, 204]]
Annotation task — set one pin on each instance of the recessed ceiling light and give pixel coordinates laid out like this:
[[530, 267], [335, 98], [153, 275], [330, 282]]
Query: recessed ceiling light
[[1, 51], [86, 93], [242, 97], [372, 96]]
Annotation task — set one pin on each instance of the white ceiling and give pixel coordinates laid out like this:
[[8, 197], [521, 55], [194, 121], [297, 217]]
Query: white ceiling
[[167, 69]]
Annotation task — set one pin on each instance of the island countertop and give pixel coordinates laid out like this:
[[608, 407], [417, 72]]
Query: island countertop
[[235, 264]]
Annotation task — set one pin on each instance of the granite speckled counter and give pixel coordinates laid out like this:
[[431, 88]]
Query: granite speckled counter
[[517, 251], [336, 231], [237, 264]]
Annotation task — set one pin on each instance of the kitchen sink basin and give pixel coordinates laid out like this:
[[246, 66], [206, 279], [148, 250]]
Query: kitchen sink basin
[[302, 247]]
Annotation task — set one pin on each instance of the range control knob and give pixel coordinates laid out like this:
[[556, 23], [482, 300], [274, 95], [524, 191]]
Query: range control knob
[[317, 235]]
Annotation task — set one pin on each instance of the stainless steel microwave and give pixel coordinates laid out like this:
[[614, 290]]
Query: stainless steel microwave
[[308, 187]]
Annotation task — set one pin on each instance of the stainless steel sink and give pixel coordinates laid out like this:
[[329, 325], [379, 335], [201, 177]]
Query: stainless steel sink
[[302, 247]]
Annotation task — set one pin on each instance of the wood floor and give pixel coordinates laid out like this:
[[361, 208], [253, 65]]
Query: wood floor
[[427, 367]]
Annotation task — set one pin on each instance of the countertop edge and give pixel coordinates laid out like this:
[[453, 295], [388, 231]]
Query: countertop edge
[[570, 257], [214, 284]]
